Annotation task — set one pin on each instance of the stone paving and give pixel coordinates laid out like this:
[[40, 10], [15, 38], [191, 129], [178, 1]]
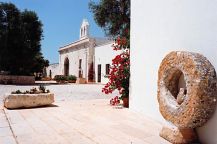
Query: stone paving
[[77, 121]]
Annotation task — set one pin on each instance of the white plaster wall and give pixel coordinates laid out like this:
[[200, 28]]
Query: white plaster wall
[[54, 70], [74, 56], [161, 26], [104, 55]]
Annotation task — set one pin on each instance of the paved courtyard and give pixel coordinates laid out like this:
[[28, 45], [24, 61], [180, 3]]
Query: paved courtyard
[[64, 92], [80, 115]]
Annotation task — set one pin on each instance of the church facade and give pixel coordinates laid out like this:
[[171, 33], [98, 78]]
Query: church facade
[[88, 58]]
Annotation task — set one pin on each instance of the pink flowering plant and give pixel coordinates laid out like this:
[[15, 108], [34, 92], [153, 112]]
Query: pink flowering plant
[[119, 72]]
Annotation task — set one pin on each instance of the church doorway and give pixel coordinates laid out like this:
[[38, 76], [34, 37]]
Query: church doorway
[[66, 67]]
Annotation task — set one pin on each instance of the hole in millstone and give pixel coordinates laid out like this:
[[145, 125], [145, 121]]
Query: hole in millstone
[[182, 83], [176, 84]]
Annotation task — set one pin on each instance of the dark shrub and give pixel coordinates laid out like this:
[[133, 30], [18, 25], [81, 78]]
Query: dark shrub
[[71, 78], [60, 78]]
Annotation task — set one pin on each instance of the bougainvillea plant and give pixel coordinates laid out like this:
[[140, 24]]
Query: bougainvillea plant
[[115, 101], [119, 71]]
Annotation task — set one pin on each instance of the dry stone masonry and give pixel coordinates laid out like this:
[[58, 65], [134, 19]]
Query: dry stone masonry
[[190, 106]]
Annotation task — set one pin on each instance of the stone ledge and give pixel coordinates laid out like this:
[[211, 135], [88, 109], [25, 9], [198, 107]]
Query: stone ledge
[[13, 101], [13, 79]]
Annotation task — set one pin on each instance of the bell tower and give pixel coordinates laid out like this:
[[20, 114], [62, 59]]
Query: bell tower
[[84, 30]]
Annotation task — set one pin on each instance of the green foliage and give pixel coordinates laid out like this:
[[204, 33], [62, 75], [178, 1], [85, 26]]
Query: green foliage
[[71, 77], [42, 88], [60, 78], [113, 16], [20, 38], [33, 90], [16, 92]]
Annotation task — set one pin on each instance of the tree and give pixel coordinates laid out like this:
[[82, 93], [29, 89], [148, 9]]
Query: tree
[[10, 36], [113, 16], [20, 36], [32, 29]]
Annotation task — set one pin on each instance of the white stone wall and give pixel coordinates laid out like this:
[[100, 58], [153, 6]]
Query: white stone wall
[[158, 27], [104, 55], [74, 55], [54, 68]]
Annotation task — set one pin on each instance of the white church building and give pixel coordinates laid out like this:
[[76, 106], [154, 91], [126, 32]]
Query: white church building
[[88, 58]]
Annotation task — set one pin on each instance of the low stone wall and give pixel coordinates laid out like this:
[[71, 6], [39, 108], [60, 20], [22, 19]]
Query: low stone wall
[[11, 79]]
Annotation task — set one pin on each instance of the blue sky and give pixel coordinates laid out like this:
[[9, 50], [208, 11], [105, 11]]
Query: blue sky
[[61, 22]]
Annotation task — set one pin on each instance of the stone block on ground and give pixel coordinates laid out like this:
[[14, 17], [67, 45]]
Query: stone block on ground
[[179, 136], [13, 101], [81, 81]]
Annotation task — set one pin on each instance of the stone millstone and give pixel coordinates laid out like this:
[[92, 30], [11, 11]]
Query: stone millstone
[[194, 107], [189, 107], [14, 101]]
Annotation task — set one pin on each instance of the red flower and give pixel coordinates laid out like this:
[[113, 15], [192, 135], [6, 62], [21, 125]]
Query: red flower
[[115, 101]]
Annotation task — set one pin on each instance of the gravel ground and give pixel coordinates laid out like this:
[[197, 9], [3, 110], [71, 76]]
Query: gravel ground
[[66, 92]]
